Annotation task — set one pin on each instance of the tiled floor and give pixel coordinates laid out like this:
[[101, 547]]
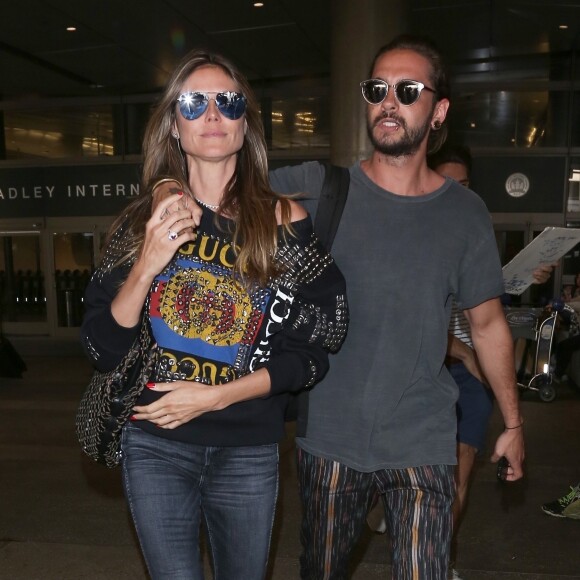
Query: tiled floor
[[63, 518]]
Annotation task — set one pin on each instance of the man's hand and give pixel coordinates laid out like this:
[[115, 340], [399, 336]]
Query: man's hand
[[510, 444], [494, 347], [543, 272]]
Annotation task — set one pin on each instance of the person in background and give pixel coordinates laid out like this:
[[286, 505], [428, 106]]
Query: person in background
[[567, 292], [475, 402], [453, 161], [245, 306], [565, 347], [576, 290], [383, 420], [567, 506]]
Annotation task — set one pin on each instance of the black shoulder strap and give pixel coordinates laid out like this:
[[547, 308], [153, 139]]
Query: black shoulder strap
[[331, 203]]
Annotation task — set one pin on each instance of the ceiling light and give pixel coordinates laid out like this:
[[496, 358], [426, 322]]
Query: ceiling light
[[563, 27], [258, 4], [71, 28], [472, 125]]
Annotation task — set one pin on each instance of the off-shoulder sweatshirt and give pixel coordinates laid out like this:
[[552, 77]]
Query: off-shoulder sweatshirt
[[211, 329]]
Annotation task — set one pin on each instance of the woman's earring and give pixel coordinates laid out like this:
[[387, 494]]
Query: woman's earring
[[175, 135]]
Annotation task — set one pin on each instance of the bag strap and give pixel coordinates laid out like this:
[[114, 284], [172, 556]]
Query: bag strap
[[332, 200]]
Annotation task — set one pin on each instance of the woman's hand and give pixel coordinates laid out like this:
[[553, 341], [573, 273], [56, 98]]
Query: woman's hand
[[164, 233], [183, 401], [171, 225], [186, 400]]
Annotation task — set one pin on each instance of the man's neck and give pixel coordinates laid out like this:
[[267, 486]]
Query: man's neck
[[406, 176]]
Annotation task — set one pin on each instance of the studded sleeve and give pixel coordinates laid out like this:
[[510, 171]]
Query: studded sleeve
[[317, 313], [105, 342]]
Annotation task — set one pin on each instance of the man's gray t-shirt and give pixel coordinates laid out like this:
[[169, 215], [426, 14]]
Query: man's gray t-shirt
[[388, 401]]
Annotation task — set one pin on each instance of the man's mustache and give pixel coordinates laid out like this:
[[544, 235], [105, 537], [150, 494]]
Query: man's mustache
[[385, 115]]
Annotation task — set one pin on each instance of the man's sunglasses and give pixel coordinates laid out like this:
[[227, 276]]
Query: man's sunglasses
[[193, 105], [375, 91]]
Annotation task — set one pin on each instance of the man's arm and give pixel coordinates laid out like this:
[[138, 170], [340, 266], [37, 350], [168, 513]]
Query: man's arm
[[493, 344], [305, 178]]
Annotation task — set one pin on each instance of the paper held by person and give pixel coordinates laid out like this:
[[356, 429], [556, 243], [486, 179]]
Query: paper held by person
[[546, 248]]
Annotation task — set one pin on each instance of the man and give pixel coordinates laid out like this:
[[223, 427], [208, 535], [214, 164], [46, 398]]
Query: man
[[475, 403], [384, 417]]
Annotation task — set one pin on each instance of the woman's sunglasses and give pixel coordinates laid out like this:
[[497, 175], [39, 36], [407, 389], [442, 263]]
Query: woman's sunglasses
[[407, 92], [193, 105]]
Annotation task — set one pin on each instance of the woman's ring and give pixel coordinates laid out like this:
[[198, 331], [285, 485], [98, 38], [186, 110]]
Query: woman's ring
[[172, 235]]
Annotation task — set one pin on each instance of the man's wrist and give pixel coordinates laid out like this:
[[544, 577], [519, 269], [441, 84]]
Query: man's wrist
[[516, 425]]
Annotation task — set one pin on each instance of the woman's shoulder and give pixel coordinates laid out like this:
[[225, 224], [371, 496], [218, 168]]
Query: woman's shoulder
[[297, 212]]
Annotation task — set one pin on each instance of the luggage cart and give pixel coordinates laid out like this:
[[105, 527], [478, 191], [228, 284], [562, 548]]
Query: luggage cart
[[538, 327]]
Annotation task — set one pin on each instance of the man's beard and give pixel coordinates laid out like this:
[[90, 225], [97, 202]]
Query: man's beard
[[408, 143]]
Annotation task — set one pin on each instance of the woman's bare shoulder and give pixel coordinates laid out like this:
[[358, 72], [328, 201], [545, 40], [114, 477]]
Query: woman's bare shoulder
[[297, 212]]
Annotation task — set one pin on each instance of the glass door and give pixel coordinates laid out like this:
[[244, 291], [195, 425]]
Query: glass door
[[73, 263], [73, 254], [23, 302]]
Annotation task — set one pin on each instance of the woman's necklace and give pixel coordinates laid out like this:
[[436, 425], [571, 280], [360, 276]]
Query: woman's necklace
[[208, 205]]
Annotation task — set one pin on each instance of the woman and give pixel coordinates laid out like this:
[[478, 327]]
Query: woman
[[245, 306]]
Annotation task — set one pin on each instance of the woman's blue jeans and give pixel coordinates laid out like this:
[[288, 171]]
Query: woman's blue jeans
[[169, 484]]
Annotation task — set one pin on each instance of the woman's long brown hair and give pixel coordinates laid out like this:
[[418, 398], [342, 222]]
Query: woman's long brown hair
[[248, 197]]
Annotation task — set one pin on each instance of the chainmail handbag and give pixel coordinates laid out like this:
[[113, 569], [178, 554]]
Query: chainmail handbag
[[109, 399]]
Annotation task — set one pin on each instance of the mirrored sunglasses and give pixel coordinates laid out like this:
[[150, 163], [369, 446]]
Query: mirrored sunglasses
[[407, 92], [194, 104]]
